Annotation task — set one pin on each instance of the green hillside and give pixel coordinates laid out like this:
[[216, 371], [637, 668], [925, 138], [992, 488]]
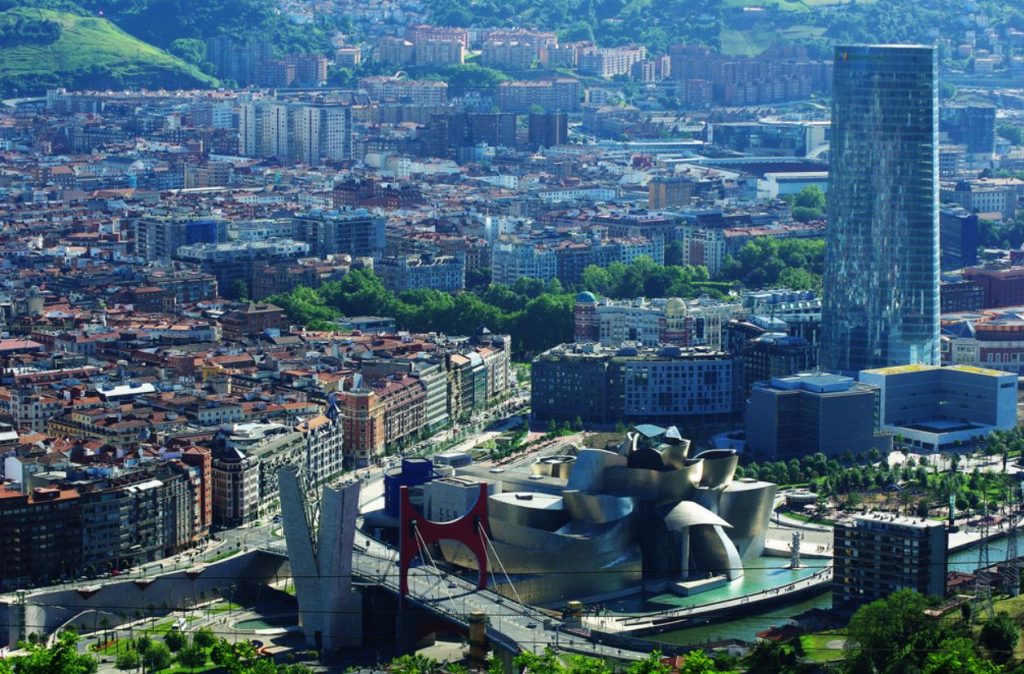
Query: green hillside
[[734, 26], [41, 48]]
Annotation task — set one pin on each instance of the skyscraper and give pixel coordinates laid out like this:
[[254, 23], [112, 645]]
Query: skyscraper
[[881, 285]]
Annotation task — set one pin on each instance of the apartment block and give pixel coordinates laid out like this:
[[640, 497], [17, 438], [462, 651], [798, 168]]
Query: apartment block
[[878, 554]]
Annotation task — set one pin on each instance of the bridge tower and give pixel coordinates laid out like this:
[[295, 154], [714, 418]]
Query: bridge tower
[[320, 536], [416, 532]]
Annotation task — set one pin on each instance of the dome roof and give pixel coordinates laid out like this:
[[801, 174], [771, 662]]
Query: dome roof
[[675, 307], [586, 297]]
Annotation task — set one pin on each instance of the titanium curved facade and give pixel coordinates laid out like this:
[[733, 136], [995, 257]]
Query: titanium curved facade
[[644, 516], [881, 283]]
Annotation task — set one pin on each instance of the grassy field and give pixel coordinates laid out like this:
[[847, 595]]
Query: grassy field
[[753, 41], [91, 48], [823, 646], [787, 5]]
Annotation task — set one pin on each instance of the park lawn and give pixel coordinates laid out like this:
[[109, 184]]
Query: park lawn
[[110, 648], [822, 646]]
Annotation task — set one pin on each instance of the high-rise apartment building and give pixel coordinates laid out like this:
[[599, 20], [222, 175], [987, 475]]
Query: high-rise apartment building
[[876, 555], [158, 237], [881, 300], [310, 134]]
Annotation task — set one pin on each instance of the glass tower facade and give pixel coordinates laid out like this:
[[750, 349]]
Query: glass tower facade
[[881, 285]]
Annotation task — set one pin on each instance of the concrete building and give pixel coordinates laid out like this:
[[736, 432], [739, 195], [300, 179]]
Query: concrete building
[[669, 191], [998, 202], [354, 232], [606, 385], [958, 295], [310, 134], [958, 238], [233, 263], [773, 355], [323, 446], [937, 408], [42, 535], [1003, 286], [799, 415], [547, 129], [512, 260], [703, 247], [562, 94], [439, 52], [322, 133], [610, 61], [412, 272], [236, 487], [381, 415], [250, 321], [651, 322], [878, 554], [416, 92], [158, 237], [573, 256]]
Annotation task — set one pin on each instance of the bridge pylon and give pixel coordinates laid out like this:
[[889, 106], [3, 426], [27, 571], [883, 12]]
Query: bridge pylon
[[416, 531]]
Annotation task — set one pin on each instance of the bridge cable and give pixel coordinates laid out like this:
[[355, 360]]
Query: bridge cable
[[422, 545], [487, 542]]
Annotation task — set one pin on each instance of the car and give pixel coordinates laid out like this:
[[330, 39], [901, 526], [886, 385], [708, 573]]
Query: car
[[115, 572], [531, 625], [452, 586]]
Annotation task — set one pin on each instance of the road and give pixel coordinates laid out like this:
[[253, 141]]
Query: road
[[511, 624]]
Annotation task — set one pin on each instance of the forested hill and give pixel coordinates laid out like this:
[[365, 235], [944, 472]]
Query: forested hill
[[737, 26], [163, 22]]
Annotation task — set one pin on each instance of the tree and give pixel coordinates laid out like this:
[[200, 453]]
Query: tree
[[582, 664], [192, 656], [698, 662], [61, 657], [810, 197], [157, 656], [651, 665], [770, 656], [891, 634], [956, 656], [414, 664], [175, 640], [237, 658], [545, 663], [189, 50], [220, 652], [999, 636], [127, 660], [204, 637], [804, 214]]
